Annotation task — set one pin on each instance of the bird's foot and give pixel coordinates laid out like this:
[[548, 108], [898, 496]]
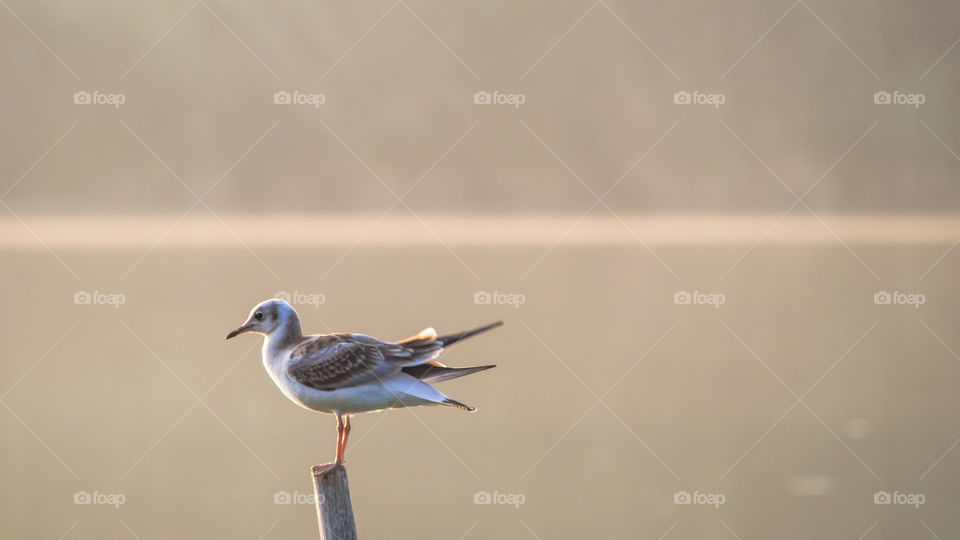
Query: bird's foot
[[320, 470]]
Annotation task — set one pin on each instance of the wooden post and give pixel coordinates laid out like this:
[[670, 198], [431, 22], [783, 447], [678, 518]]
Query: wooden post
[[334, 511]]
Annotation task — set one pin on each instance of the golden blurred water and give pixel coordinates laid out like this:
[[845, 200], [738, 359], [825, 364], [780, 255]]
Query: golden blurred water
[[403, 197], [827, 399]]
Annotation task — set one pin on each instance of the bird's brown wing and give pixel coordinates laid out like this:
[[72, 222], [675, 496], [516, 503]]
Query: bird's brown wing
[[332, 361]]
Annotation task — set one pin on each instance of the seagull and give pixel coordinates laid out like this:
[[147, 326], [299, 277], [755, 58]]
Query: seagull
[[345, 374]]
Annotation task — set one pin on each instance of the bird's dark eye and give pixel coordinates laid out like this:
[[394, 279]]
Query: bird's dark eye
[[258, 315]]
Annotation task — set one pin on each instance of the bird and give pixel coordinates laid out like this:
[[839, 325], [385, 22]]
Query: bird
[[344, 374]]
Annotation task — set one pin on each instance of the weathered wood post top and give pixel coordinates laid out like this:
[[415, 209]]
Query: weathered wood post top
[[334, 511]]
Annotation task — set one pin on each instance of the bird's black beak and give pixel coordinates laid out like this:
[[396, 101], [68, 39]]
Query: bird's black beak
[[237, 332]]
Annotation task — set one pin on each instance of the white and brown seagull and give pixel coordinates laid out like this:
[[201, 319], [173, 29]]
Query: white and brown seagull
[[344, 374]]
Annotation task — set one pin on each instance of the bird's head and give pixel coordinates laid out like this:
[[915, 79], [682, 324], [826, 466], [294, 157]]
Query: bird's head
[[267, 317]]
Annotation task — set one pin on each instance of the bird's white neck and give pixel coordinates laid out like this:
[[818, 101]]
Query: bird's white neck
[[287, 334]]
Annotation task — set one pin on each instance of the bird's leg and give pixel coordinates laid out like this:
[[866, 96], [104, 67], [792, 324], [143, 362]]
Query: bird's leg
[[341, 439], [346, 435], [320, 470]]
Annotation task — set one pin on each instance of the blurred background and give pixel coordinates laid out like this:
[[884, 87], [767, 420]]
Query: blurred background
[[721, 236]]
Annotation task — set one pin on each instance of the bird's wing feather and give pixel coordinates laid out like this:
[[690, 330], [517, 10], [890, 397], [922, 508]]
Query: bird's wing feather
[[329, 362], [333, 361]]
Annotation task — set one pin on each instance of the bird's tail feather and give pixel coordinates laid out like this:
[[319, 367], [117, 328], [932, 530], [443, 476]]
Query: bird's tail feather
[[434, 373], [454, 403], [411, 391], [450, 339], [427, 346]]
